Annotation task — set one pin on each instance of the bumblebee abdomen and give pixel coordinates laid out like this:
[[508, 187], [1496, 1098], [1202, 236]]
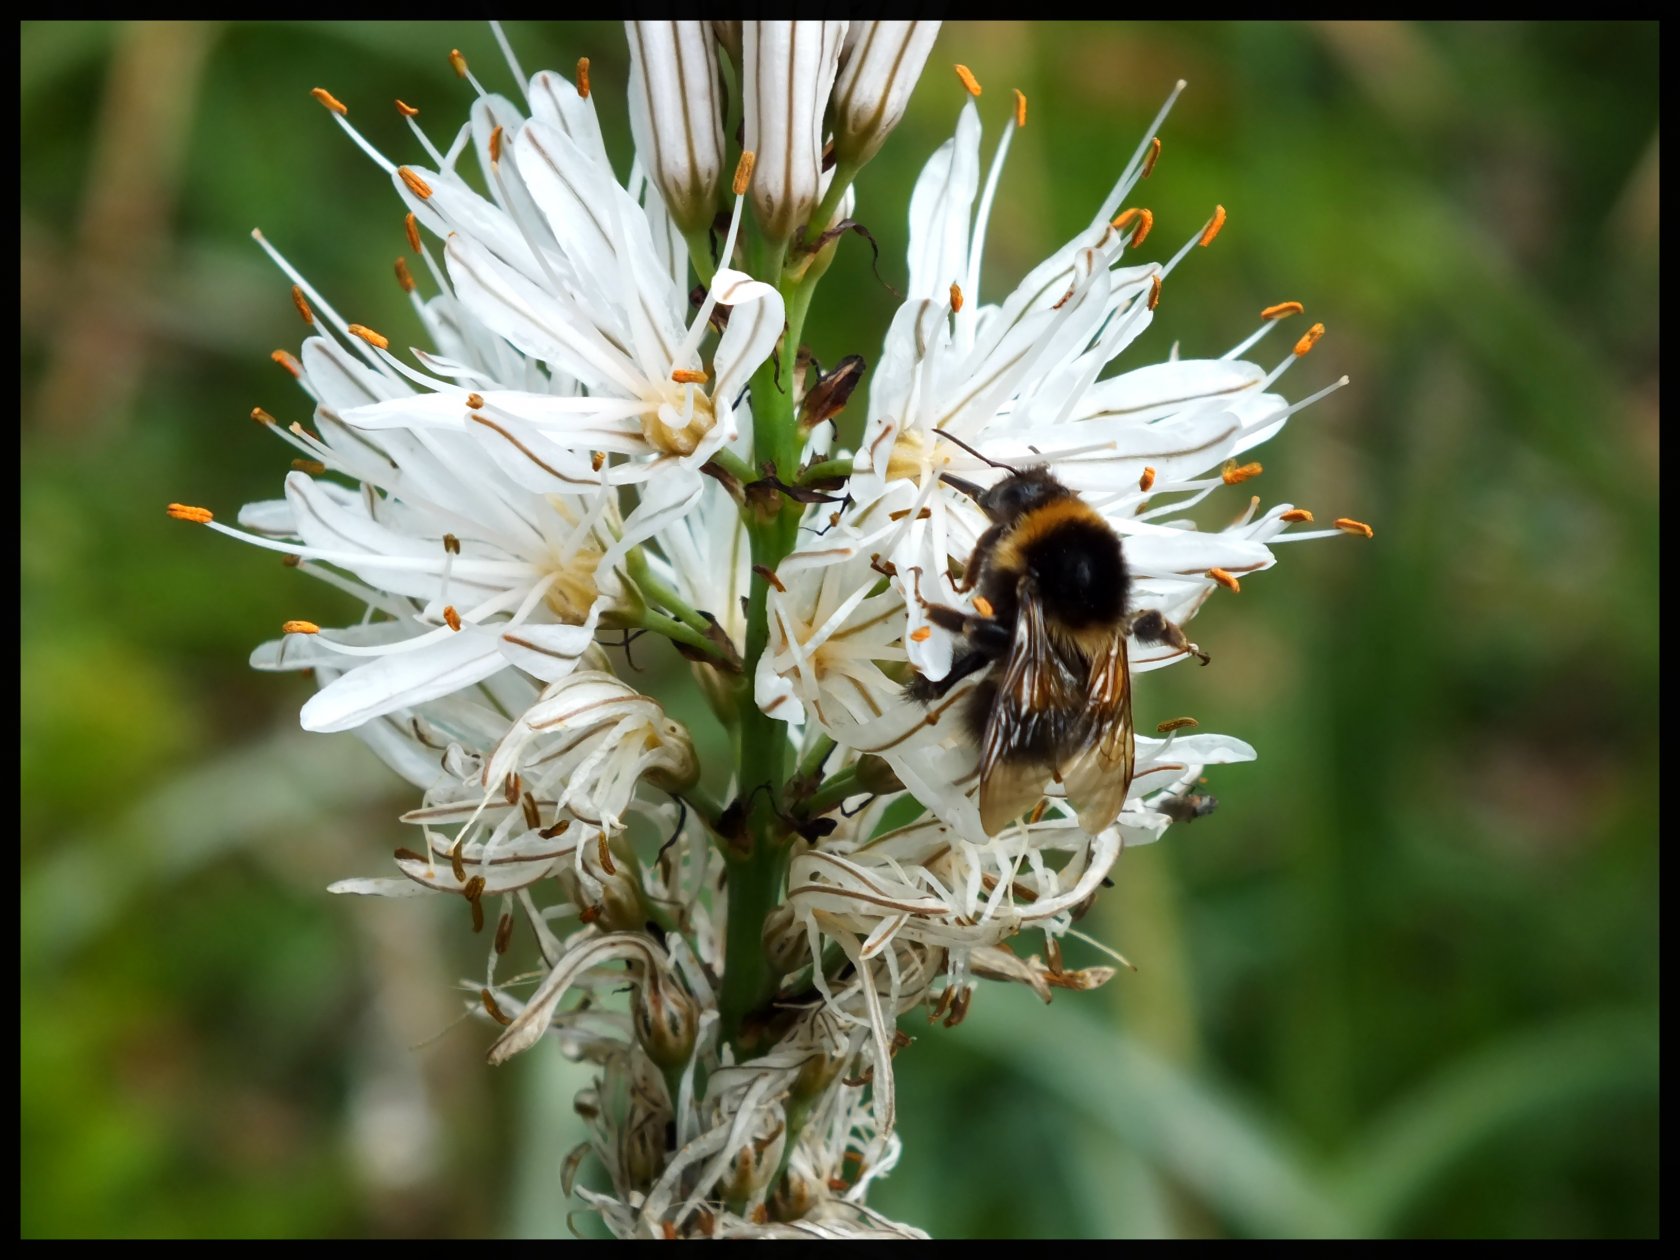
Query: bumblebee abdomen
[[1076, 564]]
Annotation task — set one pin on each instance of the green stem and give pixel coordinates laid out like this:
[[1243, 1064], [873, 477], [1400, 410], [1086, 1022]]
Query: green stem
[[656, 590], [735, 466], [678, 632], [832, 793], [827, 469], [812, 763]]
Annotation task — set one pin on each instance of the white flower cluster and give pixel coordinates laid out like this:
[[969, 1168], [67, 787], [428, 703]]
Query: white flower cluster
[[579, 450]]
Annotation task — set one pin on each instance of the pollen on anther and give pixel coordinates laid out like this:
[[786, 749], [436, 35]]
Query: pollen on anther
[[1214, 226], [1124, 219], [1296, 514], [689, 376], [1146, 222], [956, 297], [419, 187], [451, 618], [983, 606], [1154, 291], [596, 459], [583, 77], [1282, 310], [284, 359], [412, 227], [329, 100], [404, 277], [262, 417], [452, 544], [490, 1007], [968, 79], [921, 634], [1020, 107], [743, 172], [458, 63], [313, 467], [1176, 724], [1235, 474], [1350, 526], [406, 110], [1147, 481], [496, 144], [377, 340], [1225, 579], [302, 304], [186, 512], [1154, 156], [475, 402], [1309, 339], [299, 627]]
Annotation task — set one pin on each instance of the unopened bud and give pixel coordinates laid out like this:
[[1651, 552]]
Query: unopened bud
[[665, 1019], [786, 947]]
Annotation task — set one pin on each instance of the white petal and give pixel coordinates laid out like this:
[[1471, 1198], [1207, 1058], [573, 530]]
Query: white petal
[[401, 681]]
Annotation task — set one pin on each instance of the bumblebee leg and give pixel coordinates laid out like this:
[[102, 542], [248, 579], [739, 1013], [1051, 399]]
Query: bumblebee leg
[[986, 635], [971, 571], [927, 690], [1149, 626]]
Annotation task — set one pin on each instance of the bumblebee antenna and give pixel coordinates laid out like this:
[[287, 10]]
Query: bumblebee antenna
[[949, 436]]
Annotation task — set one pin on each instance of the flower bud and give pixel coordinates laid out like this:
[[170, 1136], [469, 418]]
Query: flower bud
[[786, 946], [676, 115], [665, 1019], [787, 73], [879, 65]]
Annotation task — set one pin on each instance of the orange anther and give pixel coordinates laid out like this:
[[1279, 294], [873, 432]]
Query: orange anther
[[689, 376], [490, 1007], [329, 100], [1147, 481], [1154, 291], [407, 110], [1124, 219], [300, 627], [956, 297], [452, 544], [475, 402], [302, 304], [284, 359], [186, 512], [451, 618], [1282, 310], [1147, 218], [413, 230], [968, 79], [921, 634], [596, 459], [313, 467], [1309, 339], [983, 606], [458, 63], [1154, 156], [1214, 225], [262, 417], [456, 864], [496, 144], [1176, 724], [1350, 526], [743, 172], [404, 278], [419, 187], [1296, 514], [1235, 475], [504, 933], [1020, 107], [368, 335], [583, 77], [1225, 579]]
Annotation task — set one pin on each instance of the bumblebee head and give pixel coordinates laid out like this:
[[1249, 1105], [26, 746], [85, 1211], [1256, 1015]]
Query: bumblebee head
[[1008, 500]]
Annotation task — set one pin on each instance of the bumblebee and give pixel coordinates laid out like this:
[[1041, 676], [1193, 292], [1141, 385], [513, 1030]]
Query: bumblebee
[[1051, 603]]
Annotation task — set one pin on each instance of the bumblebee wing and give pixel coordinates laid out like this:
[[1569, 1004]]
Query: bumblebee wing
[[1100, 772], [1017, 748]]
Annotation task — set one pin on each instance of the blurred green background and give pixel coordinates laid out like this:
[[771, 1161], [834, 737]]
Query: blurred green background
[[1404, 983]]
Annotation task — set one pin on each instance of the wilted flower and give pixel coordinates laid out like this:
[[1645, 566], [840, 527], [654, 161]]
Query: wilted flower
[[592, 442]]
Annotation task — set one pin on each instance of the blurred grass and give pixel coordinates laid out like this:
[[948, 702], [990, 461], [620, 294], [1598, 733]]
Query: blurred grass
[[1404, 983]]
